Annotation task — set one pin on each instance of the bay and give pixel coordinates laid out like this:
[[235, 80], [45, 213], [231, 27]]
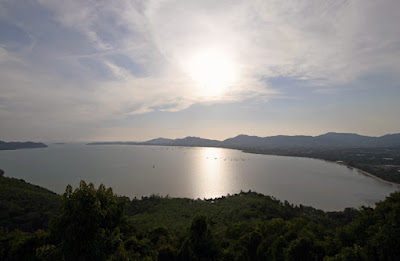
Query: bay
[[136, 171]]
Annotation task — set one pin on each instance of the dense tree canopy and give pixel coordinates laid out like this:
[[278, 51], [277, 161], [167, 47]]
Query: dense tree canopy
[[25, 206], [92, 225], [88, 227]]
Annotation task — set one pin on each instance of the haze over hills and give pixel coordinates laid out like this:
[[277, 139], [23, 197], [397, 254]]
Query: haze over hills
[[330, 139]]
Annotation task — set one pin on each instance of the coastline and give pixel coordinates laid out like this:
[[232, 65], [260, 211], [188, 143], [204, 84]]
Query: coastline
[[362, 172]]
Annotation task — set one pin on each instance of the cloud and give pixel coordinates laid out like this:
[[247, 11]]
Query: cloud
[[90, 61]]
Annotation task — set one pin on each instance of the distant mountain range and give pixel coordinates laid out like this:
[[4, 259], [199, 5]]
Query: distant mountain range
[[330, 139], [21, 145], [188, 141]]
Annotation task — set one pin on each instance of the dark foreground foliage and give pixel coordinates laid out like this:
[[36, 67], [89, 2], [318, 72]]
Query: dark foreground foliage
[[95, 224], [25, 206]]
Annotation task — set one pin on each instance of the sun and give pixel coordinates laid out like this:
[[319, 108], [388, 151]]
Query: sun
[[212, 72]]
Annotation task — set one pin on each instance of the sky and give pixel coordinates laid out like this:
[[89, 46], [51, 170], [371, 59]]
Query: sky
[[135, 70]]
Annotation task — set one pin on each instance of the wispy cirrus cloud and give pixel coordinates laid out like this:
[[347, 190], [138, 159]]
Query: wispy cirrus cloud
[[90, 61]]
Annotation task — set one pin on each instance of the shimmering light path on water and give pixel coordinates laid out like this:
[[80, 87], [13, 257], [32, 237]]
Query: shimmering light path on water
[[137, 171]]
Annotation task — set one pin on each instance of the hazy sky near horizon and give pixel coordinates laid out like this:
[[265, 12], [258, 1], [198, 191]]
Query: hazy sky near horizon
[[136, 70]]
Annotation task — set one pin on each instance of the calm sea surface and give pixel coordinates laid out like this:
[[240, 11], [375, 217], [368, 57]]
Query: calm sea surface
[[137, 171]]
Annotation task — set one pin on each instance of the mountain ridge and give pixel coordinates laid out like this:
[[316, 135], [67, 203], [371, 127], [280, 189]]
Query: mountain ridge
[[330, 139]]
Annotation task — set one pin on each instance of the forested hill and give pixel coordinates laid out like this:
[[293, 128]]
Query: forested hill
[[25, 206], [21, 145], [95, 224]]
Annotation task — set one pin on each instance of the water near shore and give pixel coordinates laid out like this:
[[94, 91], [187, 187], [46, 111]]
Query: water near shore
[[137, 171]]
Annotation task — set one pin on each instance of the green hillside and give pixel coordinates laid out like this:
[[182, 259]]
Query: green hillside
[[25, 206], [249, 207], [95, 224]]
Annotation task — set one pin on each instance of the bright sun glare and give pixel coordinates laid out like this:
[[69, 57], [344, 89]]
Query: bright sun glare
[[212, 72]]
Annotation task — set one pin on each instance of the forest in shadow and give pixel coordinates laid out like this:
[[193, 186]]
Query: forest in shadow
[[89, 223]]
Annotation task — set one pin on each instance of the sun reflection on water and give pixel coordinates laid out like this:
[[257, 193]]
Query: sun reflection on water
[[212, 180]]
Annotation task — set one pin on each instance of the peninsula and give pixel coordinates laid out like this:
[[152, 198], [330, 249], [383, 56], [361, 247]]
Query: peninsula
[[21, 145]]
